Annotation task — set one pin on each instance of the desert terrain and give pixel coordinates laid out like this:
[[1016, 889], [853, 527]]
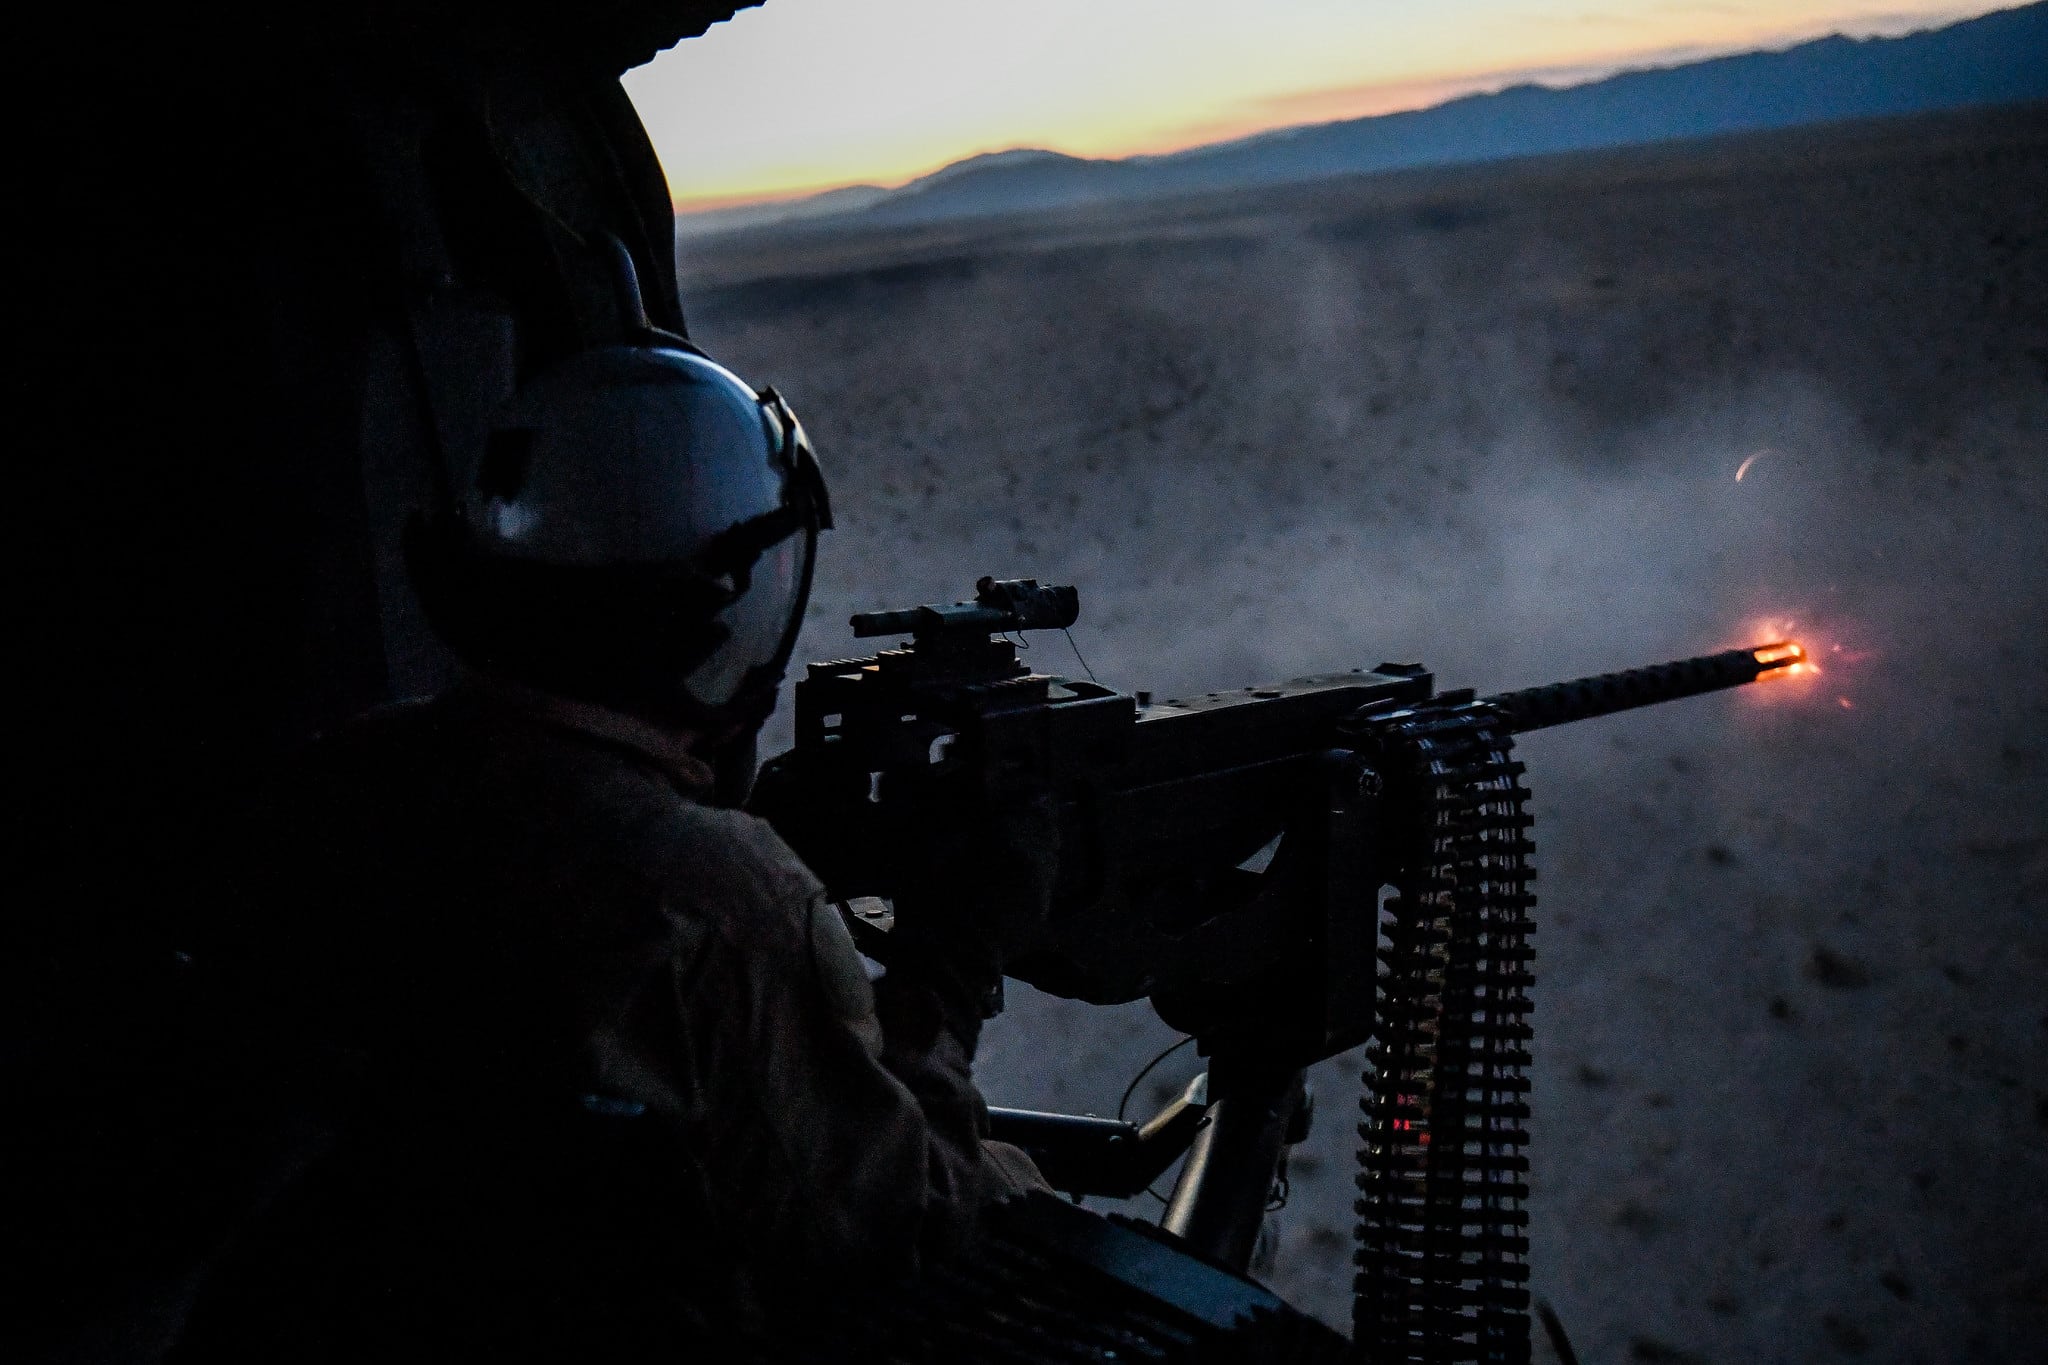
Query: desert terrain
[[1792, 1028]]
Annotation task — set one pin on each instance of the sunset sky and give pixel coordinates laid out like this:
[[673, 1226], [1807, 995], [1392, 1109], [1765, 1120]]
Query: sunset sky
[[805, 95]]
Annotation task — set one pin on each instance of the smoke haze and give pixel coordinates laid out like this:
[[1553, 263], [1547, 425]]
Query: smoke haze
[[1792, 1061]]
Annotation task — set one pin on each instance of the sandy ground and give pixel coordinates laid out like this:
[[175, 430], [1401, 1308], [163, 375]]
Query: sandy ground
[[1792, 1076]]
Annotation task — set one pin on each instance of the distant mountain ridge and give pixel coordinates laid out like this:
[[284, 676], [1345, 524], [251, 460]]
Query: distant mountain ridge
[[1997, 58]]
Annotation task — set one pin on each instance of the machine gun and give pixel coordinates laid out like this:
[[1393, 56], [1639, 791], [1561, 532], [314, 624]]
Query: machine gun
[[1284, 871]]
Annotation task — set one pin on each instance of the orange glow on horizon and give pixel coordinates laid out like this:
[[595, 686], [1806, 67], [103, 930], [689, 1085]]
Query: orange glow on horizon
[[746, 199]]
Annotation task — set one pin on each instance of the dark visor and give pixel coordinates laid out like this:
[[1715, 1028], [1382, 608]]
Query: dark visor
[[769, 560]]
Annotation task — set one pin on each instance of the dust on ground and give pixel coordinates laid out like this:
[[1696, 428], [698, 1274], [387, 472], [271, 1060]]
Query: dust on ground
[[1792, 1045]]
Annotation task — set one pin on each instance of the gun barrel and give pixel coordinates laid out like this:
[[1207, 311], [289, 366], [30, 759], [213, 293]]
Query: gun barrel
[[1538, 708]]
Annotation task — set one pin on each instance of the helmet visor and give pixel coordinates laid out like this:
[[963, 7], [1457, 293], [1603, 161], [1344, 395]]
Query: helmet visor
[[760, 624], [769, 560]]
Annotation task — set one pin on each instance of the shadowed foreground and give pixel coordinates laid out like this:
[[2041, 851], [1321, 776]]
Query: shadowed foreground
[[1792, 1055]]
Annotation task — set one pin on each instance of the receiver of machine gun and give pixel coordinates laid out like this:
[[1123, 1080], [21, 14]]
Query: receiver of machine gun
[[1285, 871]]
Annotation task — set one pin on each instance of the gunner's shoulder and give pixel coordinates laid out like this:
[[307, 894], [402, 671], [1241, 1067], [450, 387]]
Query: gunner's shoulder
[[729, 850], [706, 857]]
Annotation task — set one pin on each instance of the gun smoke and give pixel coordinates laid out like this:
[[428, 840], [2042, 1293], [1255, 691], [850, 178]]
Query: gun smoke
[[1792, 1066]]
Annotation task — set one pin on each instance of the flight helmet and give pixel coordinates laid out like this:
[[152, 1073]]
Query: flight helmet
[[639, 532]]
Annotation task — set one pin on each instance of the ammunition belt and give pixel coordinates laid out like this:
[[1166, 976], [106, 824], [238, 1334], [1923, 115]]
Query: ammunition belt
[[1442, 1224]]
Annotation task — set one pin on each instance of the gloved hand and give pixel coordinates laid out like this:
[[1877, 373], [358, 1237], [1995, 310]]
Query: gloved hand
[[982, 882]]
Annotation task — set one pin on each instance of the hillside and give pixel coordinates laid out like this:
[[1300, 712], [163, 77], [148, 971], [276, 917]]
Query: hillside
[[1999, 58]]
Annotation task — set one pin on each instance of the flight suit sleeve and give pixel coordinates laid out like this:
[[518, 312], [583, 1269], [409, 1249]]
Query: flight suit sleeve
[[837, 1127]]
